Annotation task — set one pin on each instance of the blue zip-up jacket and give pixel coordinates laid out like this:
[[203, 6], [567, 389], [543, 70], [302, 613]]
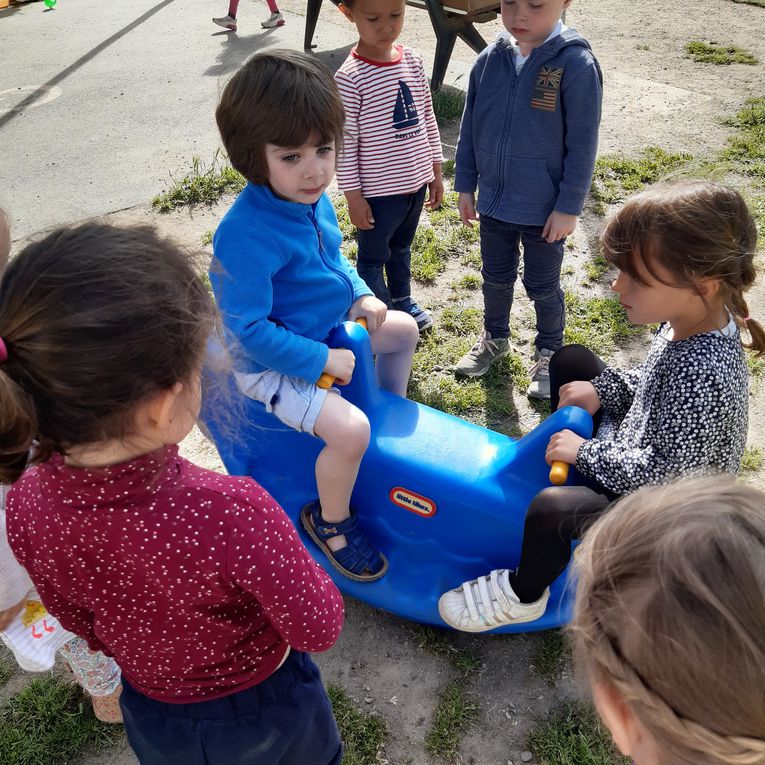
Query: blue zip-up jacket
[[281, 281], [528, 141]]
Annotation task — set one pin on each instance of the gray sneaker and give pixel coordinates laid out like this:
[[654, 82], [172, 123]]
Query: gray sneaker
[[478, 360], [540, 375]]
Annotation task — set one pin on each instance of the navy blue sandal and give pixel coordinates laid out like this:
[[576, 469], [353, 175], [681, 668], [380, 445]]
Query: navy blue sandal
[[358, 560]]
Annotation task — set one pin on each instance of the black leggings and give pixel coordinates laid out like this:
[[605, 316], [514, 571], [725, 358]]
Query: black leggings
[[559, 514]]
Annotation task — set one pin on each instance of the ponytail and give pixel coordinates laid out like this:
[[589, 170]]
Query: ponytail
[[737, 304], [18, 427]]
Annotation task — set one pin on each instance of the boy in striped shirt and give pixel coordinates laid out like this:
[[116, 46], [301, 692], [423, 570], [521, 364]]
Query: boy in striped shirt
[[391, 154]]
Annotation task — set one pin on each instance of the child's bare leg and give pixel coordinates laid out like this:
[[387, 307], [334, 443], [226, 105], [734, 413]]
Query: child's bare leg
[[345, 431], [393, 343]]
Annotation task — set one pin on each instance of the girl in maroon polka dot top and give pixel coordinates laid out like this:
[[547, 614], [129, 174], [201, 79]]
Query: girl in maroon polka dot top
[[195, 582]]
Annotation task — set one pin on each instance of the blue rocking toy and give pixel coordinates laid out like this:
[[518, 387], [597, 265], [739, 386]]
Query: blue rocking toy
[[444, 499]]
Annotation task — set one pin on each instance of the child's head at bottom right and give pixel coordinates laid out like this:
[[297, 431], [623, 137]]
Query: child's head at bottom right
[[669, 623]]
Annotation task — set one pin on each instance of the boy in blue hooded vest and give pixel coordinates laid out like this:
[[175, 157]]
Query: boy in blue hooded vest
[[528, 140]]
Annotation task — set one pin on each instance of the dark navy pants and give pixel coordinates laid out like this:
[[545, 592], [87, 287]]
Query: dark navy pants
[[500, 255], [387, 248], [285, 720]]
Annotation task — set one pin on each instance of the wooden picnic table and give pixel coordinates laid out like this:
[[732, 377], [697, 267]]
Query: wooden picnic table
[[450, 19]]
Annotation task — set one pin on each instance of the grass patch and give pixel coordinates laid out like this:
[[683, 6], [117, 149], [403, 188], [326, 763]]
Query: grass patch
[[207, 237], [48, 722], [752, 460], [363, 734], [551, 655], [447, 216], [448, 105], [447, 168], [347, 229], [573, 735], [756, 365], [463, 322], [7, 668], [596, 267], [747, 147], [202, 185], [438, 642], [597, 323], [616, 176], [434, 245], [469, 282], [472, 258], [455, 711], [714, 53], [429, 256], [486, 401], [756, 204]]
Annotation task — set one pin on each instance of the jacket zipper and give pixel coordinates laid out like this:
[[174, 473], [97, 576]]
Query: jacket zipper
[[505, 133], [323, 254]]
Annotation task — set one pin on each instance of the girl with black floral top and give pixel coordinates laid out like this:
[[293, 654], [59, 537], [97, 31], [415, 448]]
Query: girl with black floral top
[[685, 254]]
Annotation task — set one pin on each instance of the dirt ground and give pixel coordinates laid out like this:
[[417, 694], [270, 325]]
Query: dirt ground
[[654, 96]]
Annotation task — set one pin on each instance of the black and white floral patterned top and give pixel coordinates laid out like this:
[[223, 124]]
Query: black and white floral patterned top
[[684, 410]]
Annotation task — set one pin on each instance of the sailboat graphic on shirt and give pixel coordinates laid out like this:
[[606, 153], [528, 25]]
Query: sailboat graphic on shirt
[[405, 112]]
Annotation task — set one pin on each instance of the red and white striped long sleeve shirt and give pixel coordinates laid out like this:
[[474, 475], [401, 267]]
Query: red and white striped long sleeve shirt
[[391, 136]]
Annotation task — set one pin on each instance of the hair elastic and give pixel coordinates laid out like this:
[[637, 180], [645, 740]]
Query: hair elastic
[[3, 351], [746, 319]]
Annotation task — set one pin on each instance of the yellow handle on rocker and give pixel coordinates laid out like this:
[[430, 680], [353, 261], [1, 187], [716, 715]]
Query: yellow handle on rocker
[[326, 380], [558, 472]]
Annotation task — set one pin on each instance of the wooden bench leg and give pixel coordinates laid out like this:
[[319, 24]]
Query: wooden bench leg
[[470, 35], [311, 17], [445, 40]]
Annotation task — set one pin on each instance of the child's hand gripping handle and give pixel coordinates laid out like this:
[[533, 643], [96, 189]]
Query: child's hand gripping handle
[[558, 472], [326, 381]]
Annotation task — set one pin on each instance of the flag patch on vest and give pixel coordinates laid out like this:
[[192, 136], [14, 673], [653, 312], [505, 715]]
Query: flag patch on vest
[[545, 95]]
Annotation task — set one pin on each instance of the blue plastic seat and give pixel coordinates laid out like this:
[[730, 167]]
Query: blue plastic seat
[[444, 499]]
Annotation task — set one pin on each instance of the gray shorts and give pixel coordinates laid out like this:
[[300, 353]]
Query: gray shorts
[[296, 402]]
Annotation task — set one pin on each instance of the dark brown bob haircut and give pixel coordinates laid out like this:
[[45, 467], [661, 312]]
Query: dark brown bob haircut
[[282, 97]]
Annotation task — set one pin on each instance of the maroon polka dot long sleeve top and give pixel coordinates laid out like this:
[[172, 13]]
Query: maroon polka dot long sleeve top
[[195, 582]]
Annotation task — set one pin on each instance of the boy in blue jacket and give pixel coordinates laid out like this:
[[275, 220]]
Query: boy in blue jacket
[[528, 140], [282, 284]]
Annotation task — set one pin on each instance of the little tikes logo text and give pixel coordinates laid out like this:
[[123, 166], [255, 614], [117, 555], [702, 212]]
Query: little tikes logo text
[[413, 502]]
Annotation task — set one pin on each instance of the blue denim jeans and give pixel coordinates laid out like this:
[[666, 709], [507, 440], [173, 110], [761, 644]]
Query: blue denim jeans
[[500, 255], [388, 246], [285, 720]]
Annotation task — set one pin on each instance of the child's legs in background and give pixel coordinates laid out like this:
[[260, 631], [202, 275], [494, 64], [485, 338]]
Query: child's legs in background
[[499, 257], [399, 266], [556, 516], [345, 431], [541, 277], [286, 719], [386, 248], [97, 674], [393, 343]]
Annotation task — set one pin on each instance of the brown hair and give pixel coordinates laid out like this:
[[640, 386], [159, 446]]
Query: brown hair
[[5, 225], [281, 97], [95, 319], [670, 612], [696, 229]]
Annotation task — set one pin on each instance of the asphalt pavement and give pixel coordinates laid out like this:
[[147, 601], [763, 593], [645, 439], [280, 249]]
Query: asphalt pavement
[[101, 101]]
